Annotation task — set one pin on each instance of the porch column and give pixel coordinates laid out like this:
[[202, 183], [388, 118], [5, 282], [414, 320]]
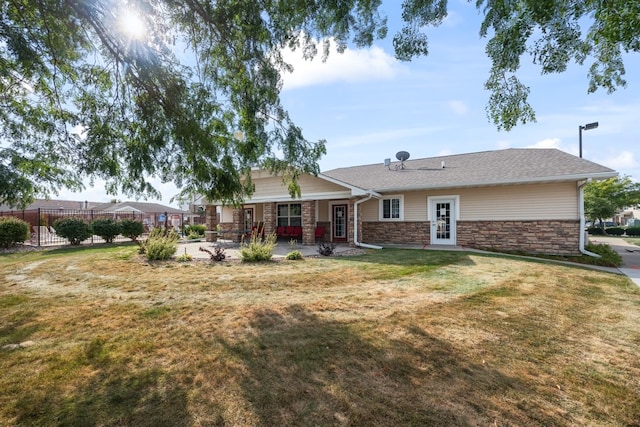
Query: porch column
[[269, 217], [308, 222], [350, 222], [211, 222], [238, 224]]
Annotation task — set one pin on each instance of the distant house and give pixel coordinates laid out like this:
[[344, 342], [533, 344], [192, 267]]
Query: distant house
[[527, 200], [151, 214]]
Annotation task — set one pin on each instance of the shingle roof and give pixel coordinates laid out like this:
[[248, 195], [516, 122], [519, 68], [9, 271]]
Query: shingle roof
[[140, 206], [510, 166]]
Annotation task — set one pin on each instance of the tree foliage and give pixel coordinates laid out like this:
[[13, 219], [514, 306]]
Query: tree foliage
[[196, 100], [602, 199], [552, 33]]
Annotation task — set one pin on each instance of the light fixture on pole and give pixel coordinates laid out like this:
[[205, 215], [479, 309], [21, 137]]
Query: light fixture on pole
[[588, 126]]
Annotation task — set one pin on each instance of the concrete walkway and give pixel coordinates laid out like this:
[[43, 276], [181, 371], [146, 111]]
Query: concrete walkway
[[630, 255]]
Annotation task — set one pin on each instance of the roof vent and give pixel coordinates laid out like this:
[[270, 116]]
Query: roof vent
[[402, 156], [387, 162], [443, 164]]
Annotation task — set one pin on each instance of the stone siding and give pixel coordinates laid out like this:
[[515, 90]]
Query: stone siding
[[545, 237]]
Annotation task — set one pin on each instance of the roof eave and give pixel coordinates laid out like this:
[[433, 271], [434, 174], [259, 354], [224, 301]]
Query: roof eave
[[559, 178]]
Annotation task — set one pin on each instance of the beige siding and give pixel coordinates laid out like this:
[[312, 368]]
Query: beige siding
[[323, 211], [513, 202], [369, 210], [272, 186], [226, 214]]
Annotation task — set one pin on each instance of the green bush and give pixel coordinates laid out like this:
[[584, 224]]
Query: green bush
[[106, 228], [132, 229], [595, 231], [160, 245], [13, 230], [609, 257], [195, 229], [257, 249], [633, 231], [73, 229], [294, 255], [615, 231]]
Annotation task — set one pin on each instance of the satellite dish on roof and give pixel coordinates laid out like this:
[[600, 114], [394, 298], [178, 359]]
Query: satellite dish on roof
[[402, 155]]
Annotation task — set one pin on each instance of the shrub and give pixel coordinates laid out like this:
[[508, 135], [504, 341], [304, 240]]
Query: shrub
[[106, 228], [13, 230], [294, 255], [195, 229], [73, 229], [609, 257], [160, 245], [595, 231], [131, 229], [258, 249], [215, 256], [326, 249], [633, 231], [614, 231], [185, 257]]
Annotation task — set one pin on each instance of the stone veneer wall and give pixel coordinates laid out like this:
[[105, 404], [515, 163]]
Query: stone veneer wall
[[269, 217], [211, 222], [308, 222], [547, 237]]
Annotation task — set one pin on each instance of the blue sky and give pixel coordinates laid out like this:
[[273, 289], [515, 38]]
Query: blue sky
[[368, 106]]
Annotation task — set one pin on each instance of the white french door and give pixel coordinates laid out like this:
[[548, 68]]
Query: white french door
[[442, 216]]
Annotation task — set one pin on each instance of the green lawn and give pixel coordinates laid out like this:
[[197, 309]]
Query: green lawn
[[98, 336]]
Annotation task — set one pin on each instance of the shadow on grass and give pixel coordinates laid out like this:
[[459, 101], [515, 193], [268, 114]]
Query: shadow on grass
[[304, 370], [111, 395]]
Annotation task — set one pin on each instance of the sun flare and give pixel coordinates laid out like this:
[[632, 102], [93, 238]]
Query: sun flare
[[132, 25]]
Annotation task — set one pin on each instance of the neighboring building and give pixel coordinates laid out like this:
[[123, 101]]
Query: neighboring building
[[527, 200], [45, 212]]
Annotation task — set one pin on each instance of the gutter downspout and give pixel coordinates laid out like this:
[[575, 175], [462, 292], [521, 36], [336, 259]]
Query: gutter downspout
[[355, 225], [581, 213]]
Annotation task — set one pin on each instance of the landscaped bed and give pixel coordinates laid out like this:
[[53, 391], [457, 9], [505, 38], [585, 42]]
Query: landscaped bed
[[97, 336]]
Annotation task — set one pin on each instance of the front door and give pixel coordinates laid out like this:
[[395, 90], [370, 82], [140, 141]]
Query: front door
[[248, 219], [339, 229], [443, 221]]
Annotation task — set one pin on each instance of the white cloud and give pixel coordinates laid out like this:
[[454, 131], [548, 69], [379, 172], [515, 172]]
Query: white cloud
[[547, 143], [384, 137], [354, 65], [624, 160], [458, 107]]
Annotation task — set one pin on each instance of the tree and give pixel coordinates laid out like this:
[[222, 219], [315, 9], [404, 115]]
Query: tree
[[195, 100], [602, 199], [552, 33]]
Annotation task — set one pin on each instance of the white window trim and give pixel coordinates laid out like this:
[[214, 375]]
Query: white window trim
[[381, 210]]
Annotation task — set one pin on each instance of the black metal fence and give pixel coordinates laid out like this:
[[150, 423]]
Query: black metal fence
[[41, 222]]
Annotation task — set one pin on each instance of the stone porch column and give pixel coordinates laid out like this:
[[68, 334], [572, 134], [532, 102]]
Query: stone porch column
[[308, 222], [238, 224], [269, 217], [211, 222]]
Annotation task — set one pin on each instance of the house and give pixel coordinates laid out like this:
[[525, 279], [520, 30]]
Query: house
[[528, 200], [46, 211]]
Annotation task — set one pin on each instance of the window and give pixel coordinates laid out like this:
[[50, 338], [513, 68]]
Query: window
[[391, 208], [289, 214]]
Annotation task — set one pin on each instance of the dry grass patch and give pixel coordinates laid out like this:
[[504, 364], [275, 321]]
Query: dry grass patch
[[389, 338]]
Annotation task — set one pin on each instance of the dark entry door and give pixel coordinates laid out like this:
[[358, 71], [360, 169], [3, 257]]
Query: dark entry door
[[339, 223]]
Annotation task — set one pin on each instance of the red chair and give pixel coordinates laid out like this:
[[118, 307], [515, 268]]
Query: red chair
[[280, 231], [319, 233], [289, 231]]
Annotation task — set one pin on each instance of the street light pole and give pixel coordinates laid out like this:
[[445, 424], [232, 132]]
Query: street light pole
[[588, 126]]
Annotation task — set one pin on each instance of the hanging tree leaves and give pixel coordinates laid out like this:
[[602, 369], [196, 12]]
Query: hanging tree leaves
[[195, 98]]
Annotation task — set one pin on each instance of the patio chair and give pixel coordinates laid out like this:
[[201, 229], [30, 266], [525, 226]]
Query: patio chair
[[319, 233]]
